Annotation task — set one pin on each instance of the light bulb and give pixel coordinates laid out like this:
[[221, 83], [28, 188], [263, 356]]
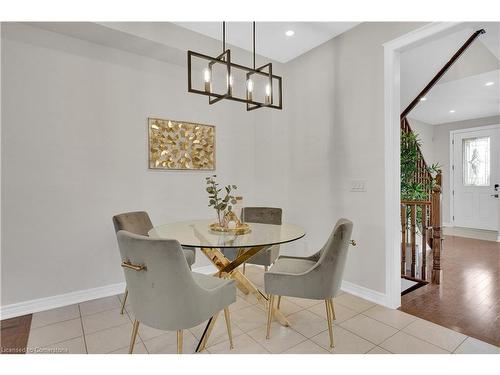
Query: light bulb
[[206, 75], [229, 81], [250, 85], [249, 89], [268, 94]]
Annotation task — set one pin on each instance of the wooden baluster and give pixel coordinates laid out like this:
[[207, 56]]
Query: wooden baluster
[[403, 239], [436, 235], [424, 241], [439, 178], [413, 239]]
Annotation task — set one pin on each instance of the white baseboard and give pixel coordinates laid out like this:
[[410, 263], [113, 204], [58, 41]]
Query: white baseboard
[[448, 225], [53, 302], [365, 293], [48, 303]]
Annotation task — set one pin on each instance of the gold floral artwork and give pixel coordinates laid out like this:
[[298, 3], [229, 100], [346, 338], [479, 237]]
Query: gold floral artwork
[[181, 145]]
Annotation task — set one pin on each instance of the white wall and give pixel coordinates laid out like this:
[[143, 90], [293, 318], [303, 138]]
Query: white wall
[[425, 132], [74, 152], [334, 98]]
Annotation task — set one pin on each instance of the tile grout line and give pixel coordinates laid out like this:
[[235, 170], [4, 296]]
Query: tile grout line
[[51, 324], [401, 330], [259, 307], [371, 317], [354, 333], [454, 350], [307, 339], [66, 339], [83, 331], [428, 342], [418, 338], [138, 333]]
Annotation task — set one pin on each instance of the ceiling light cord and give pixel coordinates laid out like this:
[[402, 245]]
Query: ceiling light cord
[[253, 27], [223, 36]]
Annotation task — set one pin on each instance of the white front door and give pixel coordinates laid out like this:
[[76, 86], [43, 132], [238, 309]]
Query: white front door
[[476, 171]]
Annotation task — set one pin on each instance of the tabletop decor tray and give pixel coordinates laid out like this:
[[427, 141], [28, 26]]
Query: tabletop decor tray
[[243, 228]]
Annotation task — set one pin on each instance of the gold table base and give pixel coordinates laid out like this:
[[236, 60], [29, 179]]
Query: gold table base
[[228, 269]]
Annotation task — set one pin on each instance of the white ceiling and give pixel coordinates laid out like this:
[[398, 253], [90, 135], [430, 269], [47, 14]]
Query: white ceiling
[[492, 37], [462, 87], [271, 40], [468, 97]]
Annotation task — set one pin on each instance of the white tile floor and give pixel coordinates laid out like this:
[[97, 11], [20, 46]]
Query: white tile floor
[[361, 327]]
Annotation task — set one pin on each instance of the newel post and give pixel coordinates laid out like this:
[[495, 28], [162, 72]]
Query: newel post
[[436, 231]]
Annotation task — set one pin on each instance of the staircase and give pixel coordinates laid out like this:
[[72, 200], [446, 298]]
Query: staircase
[[421, 223]]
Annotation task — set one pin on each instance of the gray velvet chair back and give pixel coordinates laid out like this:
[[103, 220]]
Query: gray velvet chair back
[[137, 222], [165, 295], [333, 257], [263, 215]]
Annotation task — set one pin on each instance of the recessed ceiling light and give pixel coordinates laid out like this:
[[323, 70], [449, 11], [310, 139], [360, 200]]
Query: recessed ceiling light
[[423, 99], [289, 33], [452, 111], [491, 83]]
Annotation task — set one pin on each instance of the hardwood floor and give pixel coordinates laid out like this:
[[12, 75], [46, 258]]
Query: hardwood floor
[[14, 334], [468, 300]]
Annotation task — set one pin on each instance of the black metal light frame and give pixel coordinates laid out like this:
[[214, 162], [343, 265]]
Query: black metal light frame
[[225, 58]]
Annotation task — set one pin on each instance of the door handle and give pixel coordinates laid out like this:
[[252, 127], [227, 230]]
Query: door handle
[[494, 195]]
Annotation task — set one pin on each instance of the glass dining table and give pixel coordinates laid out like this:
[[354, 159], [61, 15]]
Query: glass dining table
[[197, 234]]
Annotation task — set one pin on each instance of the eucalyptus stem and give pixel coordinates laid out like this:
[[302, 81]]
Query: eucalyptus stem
[[219, 204]]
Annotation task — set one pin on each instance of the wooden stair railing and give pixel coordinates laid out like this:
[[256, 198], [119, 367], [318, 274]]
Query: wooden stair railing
[[430, 208], [409, 230]]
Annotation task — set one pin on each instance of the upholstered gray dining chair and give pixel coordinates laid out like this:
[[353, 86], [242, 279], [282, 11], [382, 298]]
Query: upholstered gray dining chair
[[316, 277], [138, 222], [164, 293], [262, 215]]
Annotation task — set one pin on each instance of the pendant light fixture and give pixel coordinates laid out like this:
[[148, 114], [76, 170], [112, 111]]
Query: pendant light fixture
[[220, 78]]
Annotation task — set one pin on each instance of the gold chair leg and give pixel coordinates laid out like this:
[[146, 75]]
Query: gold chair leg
[[179, 341], [124, 301], [332, 309], [279, 303], [228, 326], [208, 332], [135, 329], [270, 315], [329, 319]]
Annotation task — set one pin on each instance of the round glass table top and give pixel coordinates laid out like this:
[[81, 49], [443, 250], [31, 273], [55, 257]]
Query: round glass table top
[[197, 233]]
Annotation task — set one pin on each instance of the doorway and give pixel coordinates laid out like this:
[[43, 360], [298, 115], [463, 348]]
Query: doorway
[[475, 176]]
